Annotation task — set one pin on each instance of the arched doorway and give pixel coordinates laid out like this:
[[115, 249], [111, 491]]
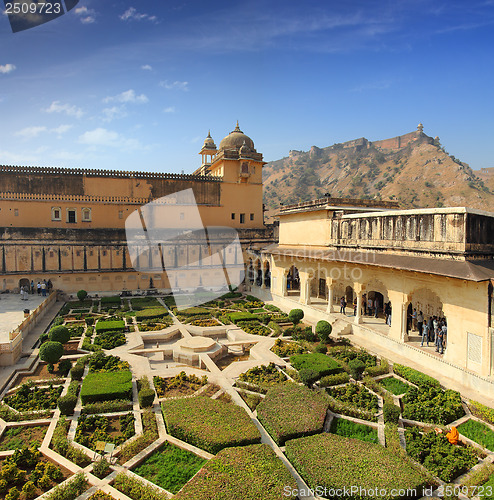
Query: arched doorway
[[377, 299], [293, 279], [24, 282], [250, 272], [258, 273], [427, 302], [267, 274], [349, 296]]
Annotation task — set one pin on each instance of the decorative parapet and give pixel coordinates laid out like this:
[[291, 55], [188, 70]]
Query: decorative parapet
[[329, 202], [106, 173]]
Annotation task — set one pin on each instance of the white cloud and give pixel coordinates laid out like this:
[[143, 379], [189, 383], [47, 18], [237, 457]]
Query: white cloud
[[30, 132], [108, 138], [7, 68], [129, 96], [176, 85], [170, 109], [33, 132], [62, 129], [147, 67], [86, 16], [131, 14], [113, 113], [58, 107]]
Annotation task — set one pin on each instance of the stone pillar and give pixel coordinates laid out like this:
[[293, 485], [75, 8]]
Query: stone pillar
[[329, 283], [304, 287], [398, 315], [284, 280], [359, 290]]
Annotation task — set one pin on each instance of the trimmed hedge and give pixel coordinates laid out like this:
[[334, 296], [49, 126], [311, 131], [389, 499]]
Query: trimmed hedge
[[338, 463], [336, 379], [291, 410], [320, 363], [67, 403], [102, 386], [415, 377], [240, 474], [115, 299], [242, 316], [209, 424], [154, 312], [108, 326]]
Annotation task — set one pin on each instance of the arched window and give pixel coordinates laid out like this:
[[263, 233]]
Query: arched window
[[86, 215]]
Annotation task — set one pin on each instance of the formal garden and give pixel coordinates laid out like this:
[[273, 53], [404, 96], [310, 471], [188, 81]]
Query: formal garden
[[341, 416]]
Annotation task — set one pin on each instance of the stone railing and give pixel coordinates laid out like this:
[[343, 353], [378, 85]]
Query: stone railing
[[30, 322]]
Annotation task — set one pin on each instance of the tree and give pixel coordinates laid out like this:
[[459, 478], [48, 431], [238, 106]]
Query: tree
[[59, 334], [295, 316], [323, 331], [81, 295], [51, 352]]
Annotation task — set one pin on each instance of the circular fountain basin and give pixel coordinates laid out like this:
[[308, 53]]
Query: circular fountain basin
[[197, 344]]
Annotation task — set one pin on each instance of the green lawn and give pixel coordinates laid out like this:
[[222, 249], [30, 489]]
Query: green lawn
[[394, 385], [170, 467], [347, 428], [478, 432]]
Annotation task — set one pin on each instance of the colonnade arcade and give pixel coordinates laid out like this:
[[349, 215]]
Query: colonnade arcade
[[322, 285]]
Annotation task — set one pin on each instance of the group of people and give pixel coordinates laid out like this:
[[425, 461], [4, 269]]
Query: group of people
[[370, 307], [42, 288], [432, 329]]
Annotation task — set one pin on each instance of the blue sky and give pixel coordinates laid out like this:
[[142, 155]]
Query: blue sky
[[136, 85]]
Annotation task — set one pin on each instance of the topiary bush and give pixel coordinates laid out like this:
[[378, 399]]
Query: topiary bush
[[356, 367], [308, 376], [64, 367], [391, 413], [51, 352], [67, 403], [59, 334], [323, 331], [295, 316], [81, 295]]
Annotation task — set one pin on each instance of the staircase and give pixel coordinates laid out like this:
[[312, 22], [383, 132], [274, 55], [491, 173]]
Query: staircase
[[341, 328]]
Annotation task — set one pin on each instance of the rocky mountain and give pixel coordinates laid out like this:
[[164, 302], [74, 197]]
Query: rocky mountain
[[413, 169]]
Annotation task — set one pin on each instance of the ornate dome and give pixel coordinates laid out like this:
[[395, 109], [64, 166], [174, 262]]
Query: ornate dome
[[236, 139], [208, 142]]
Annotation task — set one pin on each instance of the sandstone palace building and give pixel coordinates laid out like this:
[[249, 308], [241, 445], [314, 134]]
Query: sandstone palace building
[[69, 225]]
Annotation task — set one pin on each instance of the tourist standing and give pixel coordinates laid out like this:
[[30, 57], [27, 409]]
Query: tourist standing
[[414, 319], [369, 307], [425, 334], [439, 341], [355, 306], [376, 307], [420, 322], [38, 286], [43, 289], [342, 305], [32, 287]]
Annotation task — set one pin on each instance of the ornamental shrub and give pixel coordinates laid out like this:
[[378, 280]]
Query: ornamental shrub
[[77, 371], [59, 334], [67, 403], [101, 468], [323, 331], [89, 321], [295, 316], [391, 413], [356, 367], [146, 393], [51, 352], [308, 376], [81, 295], [336, 379], [43, 338], [64, 367], [321, 349], [29, 490], [13, 494]]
